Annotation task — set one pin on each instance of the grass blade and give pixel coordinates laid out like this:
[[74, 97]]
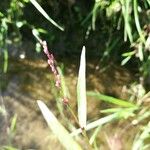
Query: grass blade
[[139, 142], [137, 23], [42, 11], [8, 148], [96, 123], [126, 16], [123, 114], [112, 100], [13, 123], [59, 130], [5, 60], [81, 91], [94, 135]]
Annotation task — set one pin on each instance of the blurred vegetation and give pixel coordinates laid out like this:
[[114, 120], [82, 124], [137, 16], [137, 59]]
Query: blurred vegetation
[[115, 31], [111, 29]]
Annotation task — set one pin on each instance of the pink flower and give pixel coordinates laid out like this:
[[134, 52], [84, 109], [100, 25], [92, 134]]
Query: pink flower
[[51, 62]]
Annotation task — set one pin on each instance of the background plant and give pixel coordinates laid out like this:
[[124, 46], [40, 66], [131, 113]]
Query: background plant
[[113, 31], [123, 110]]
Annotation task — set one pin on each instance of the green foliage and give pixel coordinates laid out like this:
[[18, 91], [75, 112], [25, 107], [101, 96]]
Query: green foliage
[[61, 133], [42, 11], [141, 137], [133, 16], [110, 99], [125, 110], [123, 31]]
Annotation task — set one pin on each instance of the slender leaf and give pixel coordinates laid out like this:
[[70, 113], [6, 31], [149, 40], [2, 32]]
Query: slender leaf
[[126, 16], [124, 114], [8, 148], [42, 11], [59, 130], [137, 23], [110, 99], [81, 91], [140, 138], [96, 123], [94, 135], [124, 61], [13, 123]]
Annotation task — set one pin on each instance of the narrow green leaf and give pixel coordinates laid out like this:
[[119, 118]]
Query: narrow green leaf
[[96, 123], [111, 110], [110, 99], [148, 1], [140, 138], [42, 11], [8, 148], [124, 61], [81, 91], [137, 23], [94, 135], [5, 60], [13, 123], [128, 54], [125, 111], [59, 130], [123, 114], [126, 16]]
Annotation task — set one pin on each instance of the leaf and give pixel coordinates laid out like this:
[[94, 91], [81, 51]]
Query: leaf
[[59, 130], [9, 148], [137, 22], [81, 91], [128, 54], [96, 123], [140, 138], [124, 61], [13, 123], [124, 114], [42, 11], [5, 68], [111, 99], [94, 135], [127, 16]]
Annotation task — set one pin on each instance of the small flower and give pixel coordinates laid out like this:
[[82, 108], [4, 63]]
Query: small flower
[[65, 100]]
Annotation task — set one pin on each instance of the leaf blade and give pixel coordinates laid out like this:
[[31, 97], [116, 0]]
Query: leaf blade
[[42, 11], [111, 99], [56, 127], [81, 91]]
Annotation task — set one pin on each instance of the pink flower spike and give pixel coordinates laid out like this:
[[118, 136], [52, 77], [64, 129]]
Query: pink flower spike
[[57, 84], [50, 62]]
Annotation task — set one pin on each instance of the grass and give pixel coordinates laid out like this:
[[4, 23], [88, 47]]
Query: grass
[[127, 16], [120, 111]]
